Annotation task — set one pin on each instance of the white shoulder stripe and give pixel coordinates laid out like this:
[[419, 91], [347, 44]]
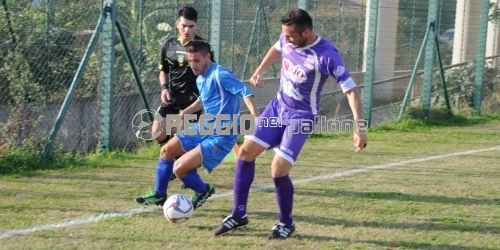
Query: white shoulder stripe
[[277, 46], [314, 89], [221, 90]]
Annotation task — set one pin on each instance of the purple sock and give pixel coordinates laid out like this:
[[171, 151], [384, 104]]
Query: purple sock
[[243, 178], [284, 195]]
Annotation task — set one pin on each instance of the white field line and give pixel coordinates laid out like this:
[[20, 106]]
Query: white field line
[[104, 216]]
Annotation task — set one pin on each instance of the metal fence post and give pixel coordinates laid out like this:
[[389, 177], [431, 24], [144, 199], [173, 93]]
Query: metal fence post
[[303, 4], [481, 49], [215, 28], [108, 75], [370, 60], [429, 57]]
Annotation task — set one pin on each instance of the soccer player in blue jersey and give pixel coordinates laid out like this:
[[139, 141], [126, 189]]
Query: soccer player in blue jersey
[[220, 93], [307, 62], [177, 80]]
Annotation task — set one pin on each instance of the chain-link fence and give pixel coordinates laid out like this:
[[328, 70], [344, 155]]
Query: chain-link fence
[[43, 42]]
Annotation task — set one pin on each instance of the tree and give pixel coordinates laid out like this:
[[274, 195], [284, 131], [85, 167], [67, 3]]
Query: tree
[[494, 13]]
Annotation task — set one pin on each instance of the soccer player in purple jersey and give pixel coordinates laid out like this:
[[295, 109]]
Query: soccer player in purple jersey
[[307, 61]]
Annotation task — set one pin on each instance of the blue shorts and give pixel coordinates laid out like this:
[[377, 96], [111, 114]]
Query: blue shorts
[[214, 148], [284, 135]]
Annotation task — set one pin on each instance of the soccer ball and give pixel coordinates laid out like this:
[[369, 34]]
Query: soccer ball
[[178, 208]]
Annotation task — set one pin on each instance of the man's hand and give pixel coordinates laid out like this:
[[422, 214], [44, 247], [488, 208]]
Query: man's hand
[[271, 57], [165, 96], [255, 79], [360, 141]]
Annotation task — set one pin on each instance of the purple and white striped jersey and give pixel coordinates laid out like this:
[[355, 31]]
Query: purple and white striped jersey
[[304, 72]]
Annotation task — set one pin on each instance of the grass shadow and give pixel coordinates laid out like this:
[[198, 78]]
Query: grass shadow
[[308, 237], [263, 233], [426, 226], [397, 196], [418, 245]]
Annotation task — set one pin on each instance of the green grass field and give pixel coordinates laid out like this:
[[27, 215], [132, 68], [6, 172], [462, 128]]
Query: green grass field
[[445, 202]]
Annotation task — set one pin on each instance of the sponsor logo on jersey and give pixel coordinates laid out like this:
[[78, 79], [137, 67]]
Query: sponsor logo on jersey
[[339, 71], [180, 59], [310, 59], [294, 72], [287, 48], [309, 62], [290, 90], [308, 65]]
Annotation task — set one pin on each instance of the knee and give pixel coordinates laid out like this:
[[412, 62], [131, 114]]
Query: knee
[[249, 152], [244, 154], [178, 170], [276, 173], [167, 152], [280, 167], [156, 129], [162, 138]]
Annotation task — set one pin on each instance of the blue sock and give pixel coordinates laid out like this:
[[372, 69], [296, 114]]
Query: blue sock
[[193, 181], [163, 174]]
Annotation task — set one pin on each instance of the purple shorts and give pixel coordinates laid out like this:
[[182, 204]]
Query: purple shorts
[[282, 130]]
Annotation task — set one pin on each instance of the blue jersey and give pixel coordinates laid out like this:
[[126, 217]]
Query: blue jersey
[[220, 93]]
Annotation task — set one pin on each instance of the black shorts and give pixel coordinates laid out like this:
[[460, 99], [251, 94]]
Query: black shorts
[[170, 109]]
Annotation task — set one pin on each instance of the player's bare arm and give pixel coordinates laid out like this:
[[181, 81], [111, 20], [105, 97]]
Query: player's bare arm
[[360, 139], [165, 94], [252, 105], [271, 57]]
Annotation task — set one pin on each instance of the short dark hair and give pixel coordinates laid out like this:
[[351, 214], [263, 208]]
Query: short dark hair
[[189, 13], [298, 17], [198, 46]]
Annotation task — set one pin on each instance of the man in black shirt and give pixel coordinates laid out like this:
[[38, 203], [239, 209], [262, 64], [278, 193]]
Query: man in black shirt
[[177, 80]]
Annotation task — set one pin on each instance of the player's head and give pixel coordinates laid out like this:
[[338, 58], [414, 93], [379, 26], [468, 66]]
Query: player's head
[[297, 25], [187, 22], [198, 56]]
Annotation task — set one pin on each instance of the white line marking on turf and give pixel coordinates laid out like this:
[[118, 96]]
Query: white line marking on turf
[[104, 216]]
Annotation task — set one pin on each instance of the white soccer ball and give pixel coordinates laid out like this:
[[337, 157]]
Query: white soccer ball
[[178, 208]]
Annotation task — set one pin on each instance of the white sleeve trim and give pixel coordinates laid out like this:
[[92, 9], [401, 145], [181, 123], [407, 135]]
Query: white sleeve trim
[[277, 46], [347, 85]]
